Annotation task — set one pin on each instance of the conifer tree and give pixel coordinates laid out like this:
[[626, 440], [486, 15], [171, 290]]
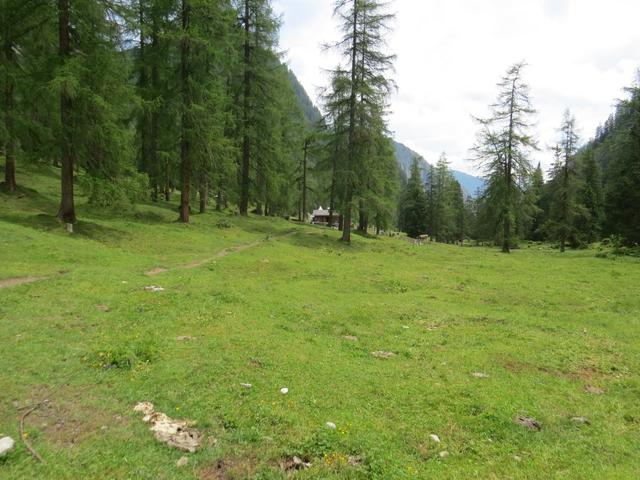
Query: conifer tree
[[412, 216], [18, 19], [260, 29], [591, 197], [363, 24], [536, 196], [564, 184], [622, 195], [502, 149]]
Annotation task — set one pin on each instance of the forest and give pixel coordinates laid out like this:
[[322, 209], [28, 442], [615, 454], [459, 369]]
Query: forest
[[141, 100]]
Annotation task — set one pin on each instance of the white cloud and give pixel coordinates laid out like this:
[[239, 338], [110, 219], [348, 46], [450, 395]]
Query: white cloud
[[451, 53]]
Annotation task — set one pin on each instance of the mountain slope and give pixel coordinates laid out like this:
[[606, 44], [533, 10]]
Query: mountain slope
[[311, 113], [469, 183]]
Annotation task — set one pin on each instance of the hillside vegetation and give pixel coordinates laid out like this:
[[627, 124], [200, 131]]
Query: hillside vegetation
[[475, 340]]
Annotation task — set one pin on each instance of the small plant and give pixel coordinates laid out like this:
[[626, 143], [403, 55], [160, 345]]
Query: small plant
[[124, 356], [395, 287], [223, 224]]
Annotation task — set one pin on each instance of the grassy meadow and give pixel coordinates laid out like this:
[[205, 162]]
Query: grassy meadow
[[478, 339]]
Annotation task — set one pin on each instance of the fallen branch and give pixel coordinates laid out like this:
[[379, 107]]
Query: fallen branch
[[26, 442]]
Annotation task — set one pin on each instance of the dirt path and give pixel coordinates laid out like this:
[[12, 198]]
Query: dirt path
[[221, 254], [14, 282]]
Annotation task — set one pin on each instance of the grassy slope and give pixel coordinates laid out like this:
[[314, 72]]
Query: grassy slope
[[542, 325]]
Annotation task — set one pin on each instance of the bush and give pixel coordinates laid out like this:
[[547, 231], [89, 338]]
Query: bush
[[223, 224], [122, 193]]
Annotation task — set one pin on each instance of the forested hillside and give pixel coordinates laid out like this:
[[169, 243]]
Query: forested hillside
[[470, 184]]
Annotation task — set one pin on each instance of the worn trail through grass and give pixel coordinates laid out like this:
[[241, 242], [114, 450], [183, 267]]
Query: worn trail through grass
[[221, 254]]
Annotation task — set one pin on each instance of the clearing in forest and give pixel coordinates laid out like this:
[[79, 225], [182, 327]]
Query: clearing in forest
[[398, 361]]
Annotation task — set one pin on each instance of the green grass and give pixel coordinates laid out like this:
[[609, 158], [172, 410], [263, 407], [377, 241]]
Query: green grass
[[542, 325]]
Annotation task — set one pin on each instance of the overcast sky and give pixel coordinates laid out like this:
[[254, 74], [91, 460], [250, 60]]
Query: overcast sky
[[451, 54]]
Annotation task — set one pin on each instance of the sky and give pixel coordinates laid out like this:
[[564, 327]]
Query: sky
[[451, 53]]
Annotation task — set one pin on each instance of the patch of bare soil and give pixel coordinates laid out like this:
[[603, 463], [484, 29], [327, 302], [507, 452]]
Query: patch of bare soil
[[585, 374], [383, 355], [66, 421], [156, 271], [230, 468], [13, 282]]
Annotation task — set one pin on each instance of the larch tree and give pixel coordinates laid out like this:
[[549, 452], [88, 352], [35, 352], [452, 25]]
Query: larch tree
[[19, 20], [259, 38], [67, 212], [502, 151], [364, 24]]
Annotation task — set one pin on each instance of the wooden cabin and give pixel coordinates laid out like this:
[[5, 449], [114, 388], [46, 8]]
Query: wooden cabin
[[322, 217]]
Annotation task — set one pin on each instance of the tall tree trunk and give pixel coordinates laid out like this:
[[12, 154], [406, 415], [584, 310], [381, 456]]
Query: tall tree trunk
[[67, 207], [153, 140], [565, 206], [219, 201], [332, 194], [155, 117], [506, 213], [506, 242], [143, 91], [245, 181], [185, 147], [307, 143], [10, 142], [348, 197], [260, 191]]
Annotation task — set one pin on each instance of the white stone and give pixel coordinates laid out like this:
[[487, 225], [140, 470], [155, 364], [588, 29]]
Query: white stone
[[175, 433], [284, 390], [154, 288], [331, 425], [444, 454], [6, 445], [182, 462], [435, 438], [246, 385]]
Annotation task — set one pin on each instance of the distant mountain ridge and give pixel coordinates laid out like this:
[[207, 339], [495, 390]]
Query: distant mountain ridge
[[470, 184]]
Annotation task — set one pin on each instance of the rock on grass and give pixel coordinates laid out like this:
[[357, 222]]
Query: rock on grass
[[177, 434], [6, 445], [530, 423]]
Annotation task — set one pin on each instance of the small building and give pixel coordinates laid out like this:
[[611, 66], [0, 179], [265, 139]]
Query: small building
[[323, 217]]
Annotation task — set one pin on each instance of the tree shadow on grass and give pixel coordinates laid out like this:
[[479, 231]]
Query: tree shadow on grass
[[28, 198], [98, 233], [265, 226], [50, 223]]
